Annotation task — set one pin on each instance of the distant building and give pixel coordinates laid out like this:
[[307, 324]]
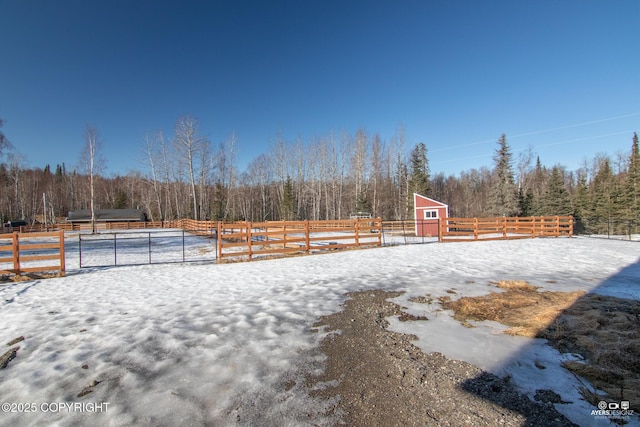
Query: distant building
[[427, 212], [108, 215], [11, 226], [358, 215]]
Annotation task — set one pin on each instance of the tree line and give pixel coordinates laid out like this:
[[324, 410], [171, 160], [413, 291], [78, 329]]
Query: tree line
[[327, 177]]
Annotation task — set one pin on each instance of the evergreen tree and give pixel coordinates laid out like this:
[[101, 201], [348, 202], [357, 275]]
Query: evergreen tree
[[632, 187], [503, 190], [362, 203], [581, 205], [555, 199], [288, 203], [602, 191], [120, 201], [219, 202], [419, 181], [525, 202]]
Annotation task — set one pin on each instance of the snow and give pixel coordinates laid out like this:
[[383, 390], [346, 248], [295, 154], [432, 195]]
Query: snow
[[227, 344]]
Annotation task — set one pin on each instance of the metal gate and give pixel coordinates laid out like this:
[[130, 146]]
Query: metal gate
[[144, 247]]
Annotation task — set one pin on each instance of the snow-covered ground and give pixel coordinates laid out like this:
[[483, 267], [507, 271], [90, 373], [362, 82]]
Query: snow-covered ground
[[227, 344]]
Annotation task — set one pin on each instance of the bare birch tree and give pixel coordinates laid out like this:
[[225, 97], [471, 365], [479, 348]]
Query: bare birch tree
[[151, 149], [189, 145], [92, 164]]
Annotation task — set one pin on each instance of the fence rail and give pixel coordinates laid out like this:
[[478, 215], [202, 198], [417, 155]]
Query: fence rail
[[504, 228], [246, 239], [29, 250]]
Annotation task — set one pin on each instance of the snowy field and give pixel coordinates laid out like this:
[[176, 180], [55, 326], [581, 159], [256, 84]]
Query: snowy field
[[229, 344]]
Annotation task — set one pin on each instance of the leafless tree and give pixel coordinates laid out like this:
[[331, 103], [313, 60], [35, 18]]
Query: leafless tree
[[153, 146], [189, 145], [93, 165], [18, 208]]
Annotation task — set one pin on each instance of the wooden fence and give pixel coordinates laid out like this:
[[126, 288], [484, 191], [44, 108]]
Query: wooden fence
[[503, 228], [246, 239], [193, 225], [30, 249]]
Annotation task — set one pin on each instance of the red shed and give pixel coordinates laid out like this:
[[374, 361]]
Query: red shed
[[427, 211]]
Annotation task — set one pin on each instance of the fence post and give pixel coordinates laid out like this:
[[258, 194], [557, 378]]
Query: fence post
[[16, 253], [219, 239], [63, 264], [504, 227], [249, 242], [307, 240], [357, 227], [475, 228], [379, 224], [571, 226], [439, 229]]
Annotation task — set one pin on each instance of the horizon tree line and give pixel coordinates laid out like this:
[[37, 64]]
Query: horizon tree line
[[328, 177]]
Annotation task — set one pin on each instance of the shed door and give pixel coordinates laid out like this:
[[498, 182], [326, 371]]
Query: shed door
[[428, 224]]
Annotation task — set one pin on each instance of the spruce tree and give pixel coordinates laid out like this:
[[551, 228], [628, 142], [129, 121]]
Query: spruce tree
[[419, 181], [602, 192], [581, 205], [632, 187], [525, 202], [555, 200], [503, 189], [362, 203], [288, 203]]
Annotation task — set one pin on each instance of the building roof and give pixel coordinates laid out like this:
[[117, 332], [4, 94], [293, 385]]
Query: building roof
[[105, 215], [432, 201]]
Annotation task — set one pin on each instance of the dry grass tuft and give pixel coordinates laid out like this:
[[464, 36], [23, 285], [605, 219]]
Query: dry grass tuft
[[516, 284], [28, 276], [521, 306], [604, 330]]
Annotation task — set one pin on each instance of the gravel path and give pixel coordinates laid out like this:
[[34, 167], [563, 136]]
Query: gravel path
[[383, 379]]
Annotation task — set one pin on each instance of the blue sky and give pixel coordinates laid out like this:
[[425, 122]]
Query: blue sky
[[560, 76]]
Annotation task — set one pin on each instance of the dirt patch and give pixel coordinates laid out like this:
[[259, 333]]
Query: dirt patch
[[381, 378], [605, 331]]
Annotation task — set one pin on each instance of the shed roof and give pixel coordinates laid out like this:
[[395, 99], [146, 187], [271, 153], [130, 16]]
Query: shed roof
[[105, 215], [431, 201]]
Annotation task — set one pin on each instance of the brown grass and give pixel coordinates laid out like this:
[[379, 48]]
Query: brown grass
[[28, 276], [604, 330], [520, 306]]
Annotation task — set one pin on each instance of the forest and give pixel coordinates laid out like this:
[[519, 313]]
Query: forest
[[328, 177]]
